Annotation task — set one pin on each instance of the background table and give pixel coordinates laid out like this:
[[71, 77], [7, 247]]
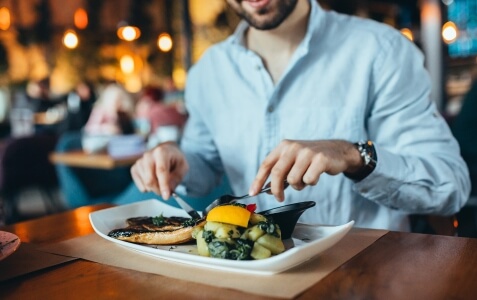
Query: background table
[[397, 266], [96, 160]]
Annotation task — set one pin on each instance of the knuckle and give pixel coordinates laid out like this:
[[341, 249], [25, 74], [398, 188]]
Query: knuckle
[[307, 152], [276, 171], [149, 182], [294, 179], [310, 180], [160, 169], [286, 143], [319, 156]]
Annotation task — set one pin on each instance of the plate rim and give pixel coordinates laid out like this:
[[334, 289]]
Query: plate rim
[[268, 266]]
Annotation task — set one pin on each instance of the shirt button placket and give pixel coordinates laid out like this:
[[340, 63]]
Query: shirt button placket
[[270, 128]]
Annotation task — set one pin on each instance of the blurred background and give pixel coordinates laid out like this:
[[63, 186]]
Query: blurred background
[[53, 50], [143, 42]]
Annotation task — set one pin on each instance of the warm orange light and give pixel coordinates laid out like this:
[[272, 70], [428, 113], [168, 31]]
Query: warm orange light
[[80, 222], [70, 39], [128, 33], [430, 11], [179, 77], [407, 33], [127, 64], [4, 18], [455, 223], [164, 42], [81, 18], [449, 32]]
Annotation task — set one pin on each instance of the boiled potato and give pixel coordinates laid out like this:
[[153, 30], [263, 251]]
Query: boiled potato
[[260, 252], [202, 246], [255, 232], [196, 231], [256, 218], [212, 226], [227, 231], [222, 228], [272, 243]]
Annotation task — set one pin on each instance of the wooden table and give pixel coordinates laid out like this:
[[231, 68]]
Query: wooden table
[[81, 159], [396, 266]]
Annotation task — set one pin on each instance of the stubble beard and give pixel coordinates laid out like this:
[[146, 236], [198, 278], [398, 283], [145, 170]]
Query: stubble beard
[[269, 17]]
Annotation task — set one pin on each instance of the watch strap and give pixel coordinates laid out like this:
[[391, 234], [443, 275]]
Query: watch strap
[[369, 157]]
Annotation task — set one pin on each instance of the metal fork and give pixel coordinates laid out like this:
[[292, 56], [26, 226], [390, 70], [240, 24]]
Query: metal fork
[[229, 199]]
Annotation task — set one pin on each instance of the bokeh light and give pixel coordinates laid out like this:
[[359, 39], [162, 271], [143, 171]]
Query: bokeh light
[[81, 18], [70, 39], [5, 18], [164, 42], [128, 33], [407, 33], [449, 32], [127, 64]]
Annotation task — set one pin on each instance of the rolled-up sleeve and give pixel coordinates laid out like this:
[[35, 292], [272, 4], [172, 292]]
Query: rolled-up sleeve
[[419, 168]]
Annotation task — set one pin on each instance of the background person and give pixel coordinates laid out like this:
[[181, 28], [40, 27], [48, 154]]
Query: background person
[[160, 121], [112, 114], [80, 102]]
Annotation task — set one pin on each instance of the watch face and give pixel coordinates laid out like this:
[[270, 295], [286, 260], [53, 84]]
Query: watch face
[[368, 154]]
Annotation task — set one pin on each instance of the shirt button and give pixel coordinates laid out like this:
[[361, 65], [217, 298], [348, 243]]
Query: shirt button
[[258, 67], [270, 109]]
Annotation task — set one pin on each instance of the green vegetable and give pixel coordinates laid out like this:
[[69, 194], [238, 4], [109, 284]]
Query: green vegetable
[[189, 222], [242, 250], [208, 236], [159, 220], [269, 227], [219, 249]]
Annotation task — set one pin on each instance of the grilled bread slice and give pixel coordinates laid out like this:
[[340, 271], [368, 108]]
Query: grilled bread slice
[[157, 231]]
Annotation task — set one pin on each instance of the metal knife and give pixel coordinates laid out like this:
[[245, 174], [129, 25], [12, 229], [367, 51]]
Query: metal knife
[[185, 206]]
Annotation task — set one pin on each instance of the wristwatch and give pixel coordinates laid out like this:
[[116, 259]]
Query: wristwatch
[[368, 154]]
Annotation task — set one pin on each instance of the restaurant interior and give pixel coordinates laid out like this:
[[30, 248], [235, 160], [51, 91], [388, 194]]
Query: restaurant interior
[[50, 49], [86, 86]]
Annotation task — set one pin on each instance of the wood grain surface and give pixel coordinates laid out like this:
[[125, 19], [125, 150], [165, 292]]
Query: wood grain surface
[[397, 266]]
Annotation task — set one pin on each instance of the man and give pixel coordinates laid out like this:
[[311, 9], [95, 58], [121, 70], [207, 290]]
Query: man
[[288, 95]]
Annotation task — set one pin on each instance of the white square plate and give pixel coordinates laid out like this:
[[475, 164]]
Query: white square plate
[[307, 240]]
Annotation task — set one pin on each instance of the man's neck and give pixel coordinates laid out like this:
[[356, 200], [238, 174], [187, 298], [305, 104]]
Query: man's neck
[[277, 46]]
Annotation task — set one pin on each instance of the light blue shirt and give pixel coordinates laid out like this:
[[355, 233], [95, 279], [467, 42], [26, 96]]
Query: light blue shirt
[[351, 79]]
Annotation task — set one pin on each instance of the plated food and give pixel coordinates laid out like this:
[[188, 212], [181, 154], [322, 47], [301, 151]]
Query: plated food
[[236, 232], [158, 230], [232, 231], [306, 242]]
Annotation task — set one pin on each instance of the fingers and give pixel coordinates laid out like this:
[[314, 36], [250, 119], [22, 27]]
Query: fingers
[[160, 170], [314, 170], [276, 166], [299, 162], [143, 174], [278, 175], [262, 175], [137, 179]]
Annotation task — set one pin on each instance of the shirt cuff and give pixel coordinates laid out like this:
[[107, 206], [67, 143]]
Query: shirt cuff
[[384, 180]]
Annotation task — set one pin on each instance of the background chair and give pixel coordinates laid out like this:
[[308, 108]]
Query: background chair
[[84, 186], [24, 164]]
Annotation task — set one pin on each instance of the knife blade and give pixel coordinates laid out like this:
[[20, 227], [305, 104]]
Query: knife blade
[[185, 206]]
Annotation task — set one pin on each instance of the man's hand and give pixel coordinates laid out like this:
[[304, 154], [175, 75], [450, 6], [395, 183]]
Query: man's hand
[[302, 162], [160, 170]]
